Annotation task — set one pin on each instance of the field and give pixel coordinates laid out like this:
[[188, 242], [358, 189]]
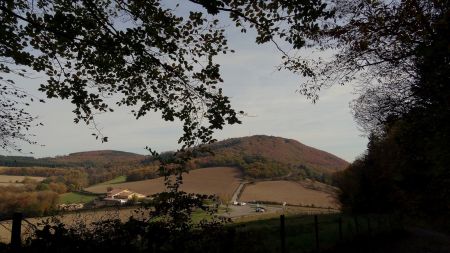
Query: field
[[286, 191], [215, 180], [117, 180], [6, 180], [75, 197]]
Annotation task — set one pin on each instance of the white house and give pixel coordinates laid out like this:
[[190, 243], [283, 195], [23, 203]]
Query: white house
[[123, 194]]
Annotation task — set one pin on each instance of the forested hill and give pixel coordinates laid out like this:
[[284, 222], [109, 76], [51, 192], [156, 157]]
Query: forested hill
[[263, 156], [94, 159], [258, 156]]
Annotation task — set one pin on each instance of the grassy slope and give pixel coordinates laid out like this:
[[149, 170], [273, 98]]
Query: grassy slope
[[75, 197], [117, 180]]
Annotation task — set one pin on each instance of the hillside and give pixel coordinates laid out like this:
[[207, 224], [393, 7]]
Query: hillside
[[286, 151], [263, 156], [257, 156]]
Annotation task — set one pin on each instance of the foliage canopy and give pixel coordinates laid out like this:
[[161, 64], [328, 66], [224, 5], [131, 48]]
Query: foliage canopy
[[151, 56]]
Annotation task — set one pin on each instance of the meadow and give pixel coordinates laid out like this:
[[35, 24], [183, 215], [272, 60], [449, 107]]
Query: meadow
[[75, 197]]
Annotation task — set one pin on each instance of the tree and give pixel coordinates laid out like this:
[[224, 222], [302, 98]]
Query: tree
[[147, 57], [145, 54], [404, 47], [15, 121], [379, 46]]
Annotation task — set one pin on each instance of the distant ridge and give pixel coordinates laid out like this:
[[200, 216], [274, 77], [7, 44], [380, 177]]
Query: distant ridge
[[258, 156], [99, 158], [103, 153], [95, 158]]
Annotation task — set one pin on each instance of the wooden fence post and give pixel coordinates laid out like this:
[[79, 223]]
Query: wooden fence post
[[356, 224], [282, 234], [16, 232], [316, 228], [341, 237], [369, 227]]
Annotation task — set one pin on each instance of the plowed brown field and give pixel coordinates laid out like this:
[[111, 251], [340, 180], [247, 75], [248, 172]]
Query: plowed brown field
[[287, 191], [214, 180]]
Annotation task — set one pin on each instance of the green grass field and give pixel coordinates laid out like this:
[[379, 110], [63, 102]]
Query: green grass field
[[117, 180], [75, 197]]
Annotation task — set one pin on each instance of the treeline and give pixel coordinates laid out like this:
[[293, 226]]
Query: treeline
[[406, 166], [406, 170], [71, 179], [142, 174], [90, 159], [32, 198], [26, 161], [74, 178], [97, 166]]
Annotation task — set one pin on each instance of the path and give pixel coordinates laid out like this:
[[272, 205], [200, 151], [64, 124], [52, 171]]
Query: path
[[237, 192]]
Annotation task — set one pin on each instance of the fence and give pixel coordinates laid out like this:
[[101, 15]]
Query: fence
[[310, 233], [306, 233], [14, 229]]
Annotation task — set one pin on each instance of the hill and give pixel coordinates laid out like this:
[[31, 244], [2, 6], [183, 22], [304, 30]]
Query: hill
[[263, 156], [91, 167], [260, 156], [97, 158]]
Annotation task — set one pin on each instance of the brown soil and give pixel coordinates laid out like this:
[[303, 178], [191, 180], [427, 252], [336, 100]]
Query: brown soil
[[287, 191], [216, 180]]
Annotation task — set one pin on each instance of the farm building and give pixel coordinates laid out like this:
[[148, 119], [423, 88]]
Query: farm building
[[123, 194], [114, 202]]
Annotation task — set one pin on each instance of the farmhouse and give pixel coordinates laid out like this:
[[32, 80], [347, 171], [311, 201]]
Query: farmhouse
[[123, 195]]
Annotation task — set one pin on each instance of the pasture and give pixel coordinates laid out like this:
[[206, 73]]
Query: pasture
[[75, 197], [117, 180], [214, 180]]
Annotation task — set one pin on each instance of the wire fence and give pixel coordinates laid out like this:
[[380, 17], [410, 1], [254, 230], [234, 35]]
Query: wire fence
[[296, 233], [310, 233]]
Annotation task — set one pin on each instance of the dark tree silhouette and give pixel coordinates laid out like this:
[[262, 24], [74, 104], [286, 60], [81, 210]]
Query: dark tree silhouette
[[144, 53], [405, 168]]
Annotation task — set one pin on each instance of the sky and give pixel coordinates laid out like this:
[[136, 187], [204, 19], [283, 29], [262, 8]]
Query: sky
[[253, 84]]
